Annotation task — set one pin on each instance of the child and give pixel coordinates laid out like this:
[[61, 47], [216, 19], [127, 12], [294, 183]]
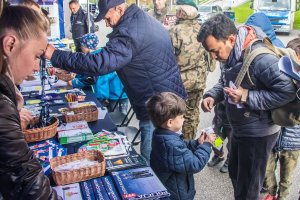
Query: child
[[173, 159], [223, 129], [107, 88], [286, 150]]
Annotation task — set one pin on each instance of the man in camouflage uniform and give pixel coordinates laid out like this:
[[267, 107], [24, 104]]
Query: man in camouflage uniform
[[193, 61], [160, 10]]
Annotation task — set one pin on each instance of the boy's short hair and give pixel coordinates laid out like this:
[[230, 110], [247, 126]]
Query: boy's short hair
[[164, 106], [295, 45]]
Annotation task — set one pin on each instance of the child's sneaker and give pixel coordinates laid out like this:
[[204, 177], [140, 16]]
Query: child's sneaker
[[224, 168], [269, 197], [215, 160]]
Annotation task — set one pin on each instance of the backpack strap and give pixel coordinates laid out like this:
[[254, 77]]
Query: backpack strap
[[248, 59]]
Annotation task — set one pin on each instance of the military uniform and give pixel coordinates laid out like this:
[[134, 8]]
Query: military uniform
[[159, 15], [194, 64]]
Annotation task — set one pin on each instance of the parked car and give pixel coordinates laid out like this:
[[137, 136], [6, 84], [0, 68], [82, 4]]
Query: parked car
[[207, 11]]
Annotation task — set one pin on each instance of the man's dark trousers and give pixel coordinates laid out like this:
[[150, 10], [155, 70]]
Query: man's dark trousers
[[247, 164]]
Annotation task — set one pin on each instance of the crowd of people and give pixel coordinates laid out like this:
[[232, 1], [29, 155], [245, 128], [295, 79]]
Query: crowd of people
[[162, 71]]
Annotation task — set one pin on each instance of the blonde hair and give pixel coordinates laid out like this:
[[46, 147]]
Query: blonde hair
[[25, 22]]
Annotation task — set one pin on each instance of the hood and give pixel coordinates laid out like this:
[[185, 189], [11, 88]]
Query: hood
[[262, 21]]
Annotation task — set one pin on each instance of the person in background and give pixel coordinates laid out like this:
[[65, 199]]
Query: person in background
[[254, 134], [262, 21], [160, 10], [139, 50], [107, 88], [286, 152], [193, 61], [79, 23], [223, 129], [23, 40], [174, 160]]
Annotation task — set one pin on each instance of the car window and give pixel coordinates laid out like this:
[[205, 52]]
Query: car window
[[204, 9], [219, 8], [214, 9]]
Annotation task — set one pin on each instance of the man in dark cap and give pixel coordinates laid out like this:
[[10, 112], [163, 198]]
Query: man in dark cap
[[139, 50]]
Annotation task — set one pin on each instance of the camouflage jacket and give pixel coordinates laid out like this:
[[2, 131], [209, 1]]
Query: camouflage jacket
[[193, 61]]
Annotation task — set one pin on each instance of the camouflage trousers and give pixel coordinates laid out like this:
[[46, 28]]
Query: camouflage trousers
[[192, 115], [288, 163]]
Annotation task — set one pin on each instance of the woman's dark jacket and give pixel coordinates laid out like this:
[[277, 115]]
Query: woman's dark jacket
[[21, 175]]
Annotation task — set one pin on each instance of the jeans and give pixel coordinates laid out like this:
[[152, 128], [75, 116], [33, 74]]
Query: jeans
[[147, 129]]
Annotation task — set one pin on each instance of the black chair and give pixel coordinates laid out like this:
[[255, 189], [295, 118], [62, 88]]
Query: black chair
[[122, 122]]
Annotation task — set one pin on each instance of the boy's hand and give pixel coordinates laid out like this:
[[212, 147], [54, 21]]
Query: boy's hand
[[207, 104], [201, 138], [210, 138]]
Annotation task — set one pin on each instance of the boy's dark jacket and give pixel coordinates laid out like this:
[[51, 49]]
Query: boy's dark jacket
[[140, 50], [175, 161], [21, 175]]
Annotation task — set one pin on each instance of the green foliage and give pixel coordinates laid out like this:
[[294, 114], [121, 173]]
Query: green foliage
[[242, 12], [297, 20]]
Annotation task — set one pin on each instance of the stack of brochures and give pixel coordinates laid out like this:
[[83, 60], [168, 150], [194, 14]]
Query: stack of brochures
[[72, 132]]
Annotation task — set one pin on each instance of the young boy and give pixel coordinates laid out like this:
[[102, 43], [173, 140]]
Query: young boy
[[107, 88], [173, 159]]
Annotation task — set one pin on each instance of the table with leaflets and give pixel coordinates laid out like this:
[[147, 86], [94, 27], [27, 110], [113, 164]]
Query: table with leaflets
[[127, 174]]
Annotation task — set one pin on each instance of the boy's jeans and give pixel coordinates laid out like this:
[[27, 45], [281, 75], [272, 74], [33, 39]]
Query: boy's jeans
[[288, 163], [147, 129]]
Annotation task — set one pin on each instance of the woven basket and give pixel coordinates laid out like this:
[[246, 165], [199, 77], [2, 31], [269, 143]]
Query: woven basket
[[81, 174], [38, 134], [88, 113], [65, 76]]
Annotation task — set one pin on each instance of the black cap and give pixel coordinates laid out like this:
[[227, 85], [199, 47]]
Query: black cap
[[105, 5]]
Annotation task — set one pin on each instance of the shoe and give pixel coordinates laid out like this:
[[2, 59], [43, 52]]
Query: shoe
[[269, 197], [224, 168], [215, 160]]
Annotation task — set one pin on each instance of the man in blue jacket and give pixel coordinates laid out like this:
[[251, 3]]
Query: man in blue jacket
[[139, 50], [248, 108]]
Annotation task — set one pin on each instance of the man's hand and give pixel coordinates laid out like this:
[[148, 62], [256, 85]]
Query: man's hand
[[25, 117], [207, 104], [49, 51], [234, 94]]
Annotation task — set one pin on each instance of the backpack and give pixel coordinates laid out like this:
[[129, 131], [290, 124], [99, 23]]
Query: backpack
[[286, 115]]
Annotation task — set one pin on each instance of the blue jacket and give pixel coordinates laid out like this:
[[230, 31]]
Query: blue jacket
[[289, 139], [140, 50], [107, 86], [273, 89], [175, 161], [262, 21]]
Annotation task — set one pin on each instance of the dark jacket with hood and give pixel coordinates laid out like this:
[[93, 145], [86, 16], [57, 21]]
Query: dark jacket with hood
[[175, 162], [21, 175], [140, 50], [273, 89]]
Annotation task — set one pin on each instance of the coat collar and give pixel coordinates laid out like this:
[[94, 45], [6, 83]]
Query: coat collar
[[163, 131], [7, 88]]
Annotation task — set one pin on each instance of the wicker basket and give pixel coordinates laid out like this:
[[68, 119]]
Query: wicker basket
[[38, 134], [81, 174], [65, 76], [88, 113]]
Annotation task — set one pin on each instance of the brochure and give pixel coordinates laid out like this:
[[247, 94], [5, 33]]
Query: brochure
[[69, 192], [139, 183], [125, 162]]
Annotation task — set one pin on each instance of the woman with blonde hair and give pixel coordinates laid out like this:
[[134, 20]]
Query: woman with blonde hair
[[23, 41]]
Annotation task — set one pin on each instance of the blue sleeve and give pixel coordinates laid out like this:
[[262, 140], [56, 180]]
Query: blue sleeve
[[186, 161], [101, 88], [116, 54], [280, 88]]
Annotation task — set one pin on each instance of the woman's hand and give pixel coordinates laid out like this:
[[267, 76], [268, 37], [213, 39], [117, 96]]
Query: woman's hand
[[25, 116]]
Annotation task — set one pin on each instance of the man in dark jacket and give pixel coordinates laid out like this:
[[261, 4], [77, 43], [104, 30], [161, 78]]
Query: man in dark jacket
[[79, 23], [248, 108], [140, 50]]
